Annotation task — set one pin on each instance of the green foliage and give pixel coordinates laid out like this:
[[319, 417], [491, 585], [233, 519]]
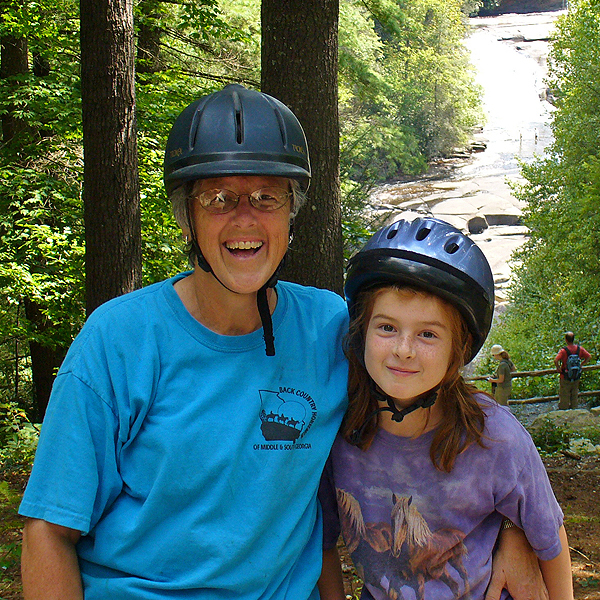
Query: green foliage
[[556, 284], [18, 439], [551, 438], [41, 213], [10, 526]]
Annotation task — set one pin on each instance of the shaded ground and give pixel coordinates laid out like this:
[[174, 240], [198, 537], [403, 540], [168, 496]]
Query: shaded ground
[[576, 484], [11, 490]]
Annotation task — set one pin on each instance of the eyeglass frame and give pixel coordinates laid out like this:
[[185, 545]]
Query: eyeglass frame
[[251, 199]]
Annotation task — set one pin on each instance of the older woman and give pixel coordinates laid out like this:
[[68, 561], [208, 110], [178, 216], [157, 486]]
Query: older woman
[[190, 422]]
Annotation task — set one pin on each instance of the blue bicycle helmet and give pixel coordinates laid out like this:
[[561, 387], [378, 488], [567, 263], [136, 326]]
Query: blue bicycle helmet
[[432, 255]]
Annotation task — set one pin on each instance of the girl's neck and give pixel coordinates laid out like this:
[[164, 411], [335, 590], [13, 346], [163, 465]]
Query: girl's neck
[[414, 424]]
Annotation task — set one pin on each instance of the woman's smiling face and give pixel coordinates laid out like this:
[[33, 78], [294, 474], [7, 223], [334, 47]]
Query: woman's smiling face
[[245, 246], [408, 343]]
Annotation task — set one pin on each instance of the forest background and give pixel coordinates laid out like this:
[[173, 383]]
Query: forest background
[[406, 96]]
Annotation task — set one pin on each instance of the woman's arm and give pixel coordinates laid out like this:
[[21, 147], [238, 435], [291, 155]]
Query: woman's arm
[[557, 572], [331, 583], [516, 568], [49, 564]]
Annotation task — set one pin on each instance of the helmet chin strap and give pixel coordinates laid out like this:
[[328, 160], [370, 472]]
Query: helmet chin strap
[[262, 300], [425, 400]]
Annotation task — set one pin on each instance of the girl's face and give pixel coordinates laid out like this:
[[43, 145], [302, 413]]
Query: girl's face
[[408, 343]]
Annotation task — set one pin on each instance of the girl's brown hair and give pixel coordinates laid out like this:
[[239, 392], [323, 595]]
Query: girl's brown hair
[[464, 420]]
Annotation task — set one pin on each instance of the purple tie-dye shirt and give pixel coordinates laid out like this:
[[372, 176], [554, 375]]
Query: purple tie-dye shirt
[[414, 531]]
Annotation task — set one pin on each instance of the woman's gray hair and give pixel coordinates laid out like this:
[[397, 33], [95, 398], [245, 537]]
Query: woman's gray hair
[[179, 201]]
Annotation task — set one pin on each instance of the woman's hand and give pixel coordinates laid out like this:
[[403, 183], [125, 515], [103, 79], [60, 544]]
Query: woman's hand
[[515, 567]]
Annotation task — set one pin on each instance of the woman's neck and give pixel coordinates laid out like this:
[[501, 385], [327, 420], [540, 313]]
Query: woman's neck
[[218, 308]]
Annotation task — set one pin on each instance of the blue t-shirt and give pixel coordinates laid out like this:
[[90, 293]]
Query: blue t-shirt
[[402, 519], [190, 461]]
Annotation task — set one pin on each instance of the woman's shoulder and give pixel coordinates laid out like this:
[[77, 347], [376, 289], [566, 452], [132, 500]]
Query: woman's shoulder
[[314, 303], [129, 306], [308, 292]]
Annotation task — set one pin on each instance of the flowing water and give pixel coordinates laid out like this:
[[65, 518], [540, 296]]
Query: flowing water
[[509, 53]]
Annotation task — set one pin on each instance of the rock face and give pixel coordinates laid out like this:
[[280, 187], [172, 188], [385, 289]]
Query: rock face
[[574, 420], [524, 6]]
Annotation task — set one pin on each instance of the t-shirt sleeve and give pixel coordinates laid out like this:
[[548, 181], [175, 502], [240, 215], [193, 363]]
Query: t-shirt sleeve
[[75, 475], [531, 503], [327, 498]]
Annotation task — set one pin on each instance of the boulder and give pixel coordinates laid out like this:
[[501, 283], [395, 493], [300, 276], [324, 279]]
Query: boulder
[[574, 420], [477, 224], [503, 219]]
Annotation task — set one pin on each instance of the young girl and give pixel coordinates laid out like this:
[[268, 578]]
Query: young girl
[[426, 469]]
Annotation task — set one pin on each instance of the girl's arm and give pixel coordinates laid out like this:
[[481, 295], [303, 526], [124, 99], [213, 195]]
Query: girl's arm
[[331, 583], [557, 572]]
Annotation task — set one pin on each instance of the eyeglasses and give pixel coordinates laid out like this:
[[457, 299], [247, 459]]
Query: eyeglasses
[[220, 201]]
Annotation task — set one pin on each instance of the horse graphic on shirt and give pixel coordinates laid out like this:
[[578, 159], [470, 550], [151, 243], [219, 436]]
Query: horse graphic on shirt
[[429, 553], [370, 545], [405, 553]]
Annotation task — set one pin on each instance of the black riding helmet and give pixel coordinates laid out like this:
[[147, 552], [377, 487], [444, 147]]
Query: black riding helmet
[[432, 255], [237, 131]]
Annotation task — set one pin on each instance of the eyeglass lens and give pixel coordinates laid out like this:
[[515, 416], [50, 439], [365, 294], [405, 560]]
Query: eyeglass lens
[[222, 201]]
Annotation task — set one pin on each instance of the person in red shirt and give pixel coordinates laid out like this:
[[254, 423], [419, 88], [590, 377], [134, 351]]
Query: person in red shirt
[[568, 390]]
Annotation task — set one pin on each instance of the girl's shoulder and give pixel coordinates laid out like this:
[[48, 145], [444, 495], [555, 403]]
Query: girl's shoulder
[[500, 423]]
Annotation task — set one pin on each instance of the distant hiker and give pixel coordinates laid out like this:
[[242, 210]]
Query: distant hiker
[[568, 363], [502, 378]]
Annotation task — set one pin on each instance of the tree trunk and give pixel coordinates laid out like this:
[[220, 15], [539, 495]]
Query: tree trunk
[[45, 360], [111, 185], [13, 61], [299, 67], [149, 36]]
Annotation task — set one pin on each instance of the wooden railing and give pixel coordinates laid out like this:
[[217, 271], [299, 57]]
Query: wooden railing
[[539, 374]]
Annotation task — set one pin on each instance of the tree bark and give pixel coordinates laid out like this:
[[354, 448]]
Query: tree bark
[[13, 61], [45, 360], [149, 37], [111, 185], [299, 67]]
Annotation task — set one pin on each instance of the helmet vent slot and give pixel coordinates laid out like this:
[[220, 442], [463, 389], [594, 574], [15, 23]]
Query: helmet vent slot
[[422, 233], [239, 123], [391, 234], [451, 247]]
